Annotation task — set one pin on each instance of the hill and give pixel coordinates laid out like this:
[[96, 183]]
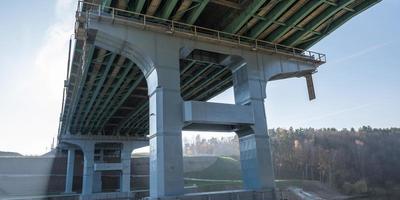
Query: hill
[[7, 153]]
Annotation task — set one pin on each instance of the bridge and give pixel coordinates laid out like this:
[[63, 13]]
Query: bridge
[[141, 71]]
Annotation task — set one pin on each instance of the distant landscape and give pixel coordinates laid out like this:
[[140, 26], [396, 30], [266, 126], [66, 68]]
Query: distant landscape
[[363, 162], [7, 153], [359, 163]]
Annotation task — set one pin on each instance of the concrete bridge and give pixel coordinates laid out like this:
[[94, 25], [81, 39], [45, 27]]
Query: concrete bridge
[[141, 72]]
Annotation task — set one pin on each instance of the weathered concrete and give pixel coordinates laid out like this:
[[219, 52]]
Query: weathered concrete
[[88, 168], [70, 171], [217, 113], [255, 153], [166, 158]]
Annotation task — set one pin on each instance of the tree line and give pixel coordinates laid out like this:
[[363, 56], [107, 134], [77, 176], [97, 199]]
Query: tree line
[[354, 161]]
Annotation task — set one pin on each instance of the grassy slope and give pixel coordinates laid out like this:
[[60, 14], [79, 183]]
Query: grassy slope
[[225, 174], [224, 168]]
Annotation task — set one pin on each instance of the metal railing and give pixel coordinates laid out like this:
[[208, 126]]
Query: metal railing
[[192, 31]]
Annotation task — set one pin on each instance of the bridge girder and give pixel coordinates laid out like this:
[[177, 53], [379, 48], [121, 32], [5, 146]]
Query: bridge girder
[[244, 16], [277, 11], [317, 21], [294, 19], [195, 13]]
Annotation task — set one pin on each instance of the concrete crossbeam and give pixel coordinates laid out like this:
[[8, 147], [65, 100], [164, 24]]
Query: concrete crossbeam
[[217, 113], [107, 166]]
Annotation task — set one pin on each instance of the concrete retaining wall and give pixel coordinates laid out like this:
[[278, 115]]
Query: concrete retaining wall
[[46, 175]]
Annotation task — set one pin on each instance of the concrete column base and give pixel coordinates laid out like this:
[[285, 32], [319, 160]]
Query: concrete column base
[[256, 162], [223, 195], [97, 184], [109, 195]]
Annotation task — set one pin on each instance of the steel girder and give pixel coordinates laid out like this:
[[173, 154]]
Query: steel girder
[[78, 92], [128, 92], [168, 8], [98, 86], [341, 20], [129, 72], [139, 5], [294, 19], [272, 16], [152, 8], [244, 16], [116, 70], [315, 22], [286, 33], [195, 13], [90, 83], [184, 7]]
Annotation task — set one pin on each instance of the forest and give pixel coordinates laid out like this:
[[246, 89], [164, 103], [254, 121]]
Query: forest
[[362, 161]]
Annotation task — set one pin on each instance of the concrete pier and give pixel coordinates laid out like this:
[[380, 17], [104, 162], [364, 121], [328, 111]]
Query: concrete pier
[[70, 170]]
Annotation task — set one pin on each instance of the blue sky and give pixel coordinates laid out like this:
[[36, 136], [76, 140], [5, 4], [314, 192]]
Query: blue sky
[[359, 85]]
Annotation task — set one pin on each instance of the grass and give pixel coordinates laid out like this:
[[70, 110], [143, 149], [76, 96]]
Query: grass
[[224, 168], [224, 174]]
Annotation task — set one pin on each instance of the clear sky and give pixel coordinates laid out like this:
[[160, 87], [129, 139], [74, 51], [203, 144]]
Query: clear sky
[[360, 84]]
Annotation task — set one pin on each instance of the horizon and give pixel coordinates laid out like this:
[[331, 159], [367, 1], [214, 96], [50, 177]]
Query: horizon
[[358, 86], [186, 139]]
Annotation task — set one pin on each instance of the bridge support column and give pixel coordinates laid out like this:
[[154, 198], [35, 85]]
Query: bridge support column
[[97, 183], [69, 178], [126, 152], [166, 159], [88, 168], [255, 151]]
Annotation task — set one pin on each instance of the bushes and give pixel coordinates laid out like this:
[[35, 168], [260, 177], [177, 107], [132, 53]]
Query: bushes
[[358, 187]]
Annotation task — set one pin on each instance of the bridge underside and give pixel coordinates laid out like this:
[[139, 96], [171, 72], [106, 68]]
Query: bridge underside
[[114, 98], [298, 23]]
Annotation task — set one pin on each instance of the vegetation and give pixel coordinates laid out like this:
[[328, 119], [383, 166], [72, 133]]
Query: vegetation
[[224, 168], [366, 160], [363, 161]]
